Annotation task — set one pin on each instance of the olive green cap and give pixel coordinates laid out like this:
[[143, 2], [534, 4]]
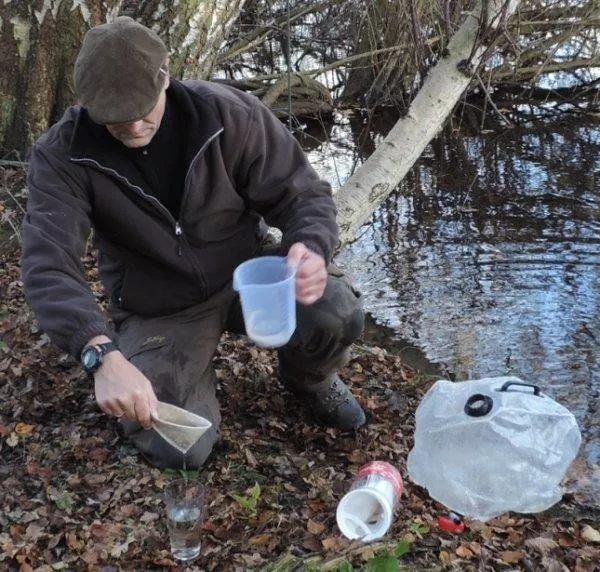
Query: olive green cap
[[120, 71]]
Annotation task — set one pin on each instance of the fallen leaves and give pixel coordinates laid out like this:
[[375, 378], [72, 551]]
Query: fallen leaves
[[315, 527], [541, 544], [463, 552], [512, 556], [74, 496]]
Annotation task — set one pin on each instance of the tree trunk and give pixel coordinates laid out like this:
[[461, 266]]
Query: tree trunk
[[442, 89], [39, 42], [194, 31]]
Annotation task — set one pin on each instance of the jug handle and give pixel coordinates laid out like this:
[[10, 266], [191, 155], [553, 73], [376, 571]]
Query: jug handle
[[536, 389]]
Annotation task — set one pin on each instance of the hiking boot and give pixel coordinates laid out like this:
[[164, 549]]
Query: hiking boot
[[331, 402]]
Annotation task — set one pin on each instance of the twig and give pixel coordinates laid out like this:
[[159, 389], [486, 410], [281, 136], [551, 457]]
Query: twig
[[15, 200], [9, 163], [331, 66], [491, 102]]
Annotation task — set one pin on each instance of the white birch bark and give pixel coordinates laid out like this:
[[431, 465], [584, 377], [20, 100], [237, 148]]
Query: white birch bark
[[442, 89], [193, 30], [40, 39]]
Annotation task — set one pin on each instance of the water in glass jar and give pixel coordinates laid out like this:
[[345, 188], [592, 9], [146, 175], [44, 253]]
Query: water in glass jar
[[184, 525]]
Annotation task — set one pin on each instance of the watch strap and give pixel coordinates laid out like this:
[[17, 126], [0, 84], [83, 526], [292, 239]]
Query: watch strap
[[106, 347], [100, 351]]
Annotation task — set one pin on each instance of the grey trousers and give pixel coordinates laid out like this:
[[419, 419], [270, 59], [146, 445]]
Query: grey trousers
[[176, 353]]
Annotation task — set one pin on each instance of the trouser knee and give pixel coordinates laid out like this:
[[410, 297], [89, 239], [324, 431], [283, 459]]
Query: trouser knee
[[175, 353], [324, 332]]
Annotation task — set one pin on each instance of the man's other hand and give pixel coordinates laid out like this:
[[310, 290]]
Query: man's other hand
[[311, 273]]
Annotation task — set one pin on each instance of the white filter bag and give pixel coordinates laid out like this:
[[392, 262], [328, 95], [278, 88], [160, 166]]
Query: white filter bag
[[488, 446]]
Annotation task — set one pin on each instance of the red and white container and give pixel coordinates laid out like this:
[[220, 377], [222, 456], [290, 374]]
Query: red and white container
[[366, 510]]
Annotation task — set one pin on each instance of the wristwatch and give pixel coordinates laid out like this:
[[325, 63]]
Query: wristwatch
[[93, 356]]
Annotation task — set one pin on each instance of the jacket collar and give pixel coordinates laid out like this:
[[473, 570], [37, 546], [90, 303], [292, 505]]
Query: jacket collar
[[91, 140]]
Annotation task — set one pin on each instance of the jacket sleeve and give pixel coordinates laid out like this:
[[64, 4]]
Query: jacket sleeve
[[55, 233], [277, 181]]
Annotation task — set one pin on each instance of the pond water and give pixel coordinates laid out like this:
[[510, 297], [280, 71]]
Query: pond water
[[487, 258]]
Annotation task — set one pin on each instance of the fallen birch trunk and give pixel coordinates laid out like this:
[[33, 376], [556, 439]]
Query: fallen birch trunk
[[442, 89]]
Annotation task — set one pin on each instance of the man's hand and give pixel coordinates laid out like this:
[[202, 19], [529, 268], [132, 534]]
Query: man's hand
[[311, 276], [123, 390]]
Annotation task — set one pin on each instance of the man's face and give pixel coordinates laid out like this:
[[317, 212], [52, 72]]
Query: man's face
[[139, 133]]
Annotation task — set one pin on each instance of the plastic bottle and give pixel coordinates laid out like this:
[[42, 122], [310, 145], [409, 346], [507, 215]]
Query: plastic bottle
[[366, 510]]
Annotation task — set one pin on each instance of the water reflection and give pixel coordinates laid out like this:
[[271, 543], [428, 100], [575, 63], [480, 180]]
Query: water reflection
[[488, 257]]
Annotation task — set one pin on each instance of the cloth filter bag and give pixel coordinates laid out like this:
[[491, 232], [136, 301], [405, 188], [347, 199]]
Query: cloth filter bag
[[179, 427]]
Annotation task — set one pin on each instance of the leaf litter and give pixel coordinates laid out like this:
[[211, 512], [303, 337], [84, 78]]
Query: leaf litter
[[74, 496]]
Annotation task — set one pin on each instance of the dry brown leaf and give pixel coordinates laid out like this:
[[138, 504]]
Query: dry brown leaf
[[357, 456], [149, 517], [99, 455], [487, 533], [74, 543], [463, 552], [34, 532], [590, 553], [566, 541], [332, 543], [95, 479], [585, 565], [590, 534], [553, 565], [317, 506], [515, 536], [250, 458], [265, 516], [312, 543], [260, 540], [100, 530], [24, 429], [541, 544], [315, 527], [512, 556], [475, 547]]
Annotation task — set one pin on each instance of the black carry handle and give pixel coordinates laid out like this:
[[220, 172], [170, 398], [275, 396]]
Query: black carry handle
[[536, 389]]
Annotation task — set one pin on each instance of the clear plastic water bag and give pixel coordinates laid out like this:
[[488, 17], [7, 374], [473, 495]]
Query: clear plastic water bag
[[488, 446]]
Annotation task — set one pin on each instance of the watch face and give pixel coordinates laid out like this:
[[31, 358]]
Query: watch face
[[90, 359]]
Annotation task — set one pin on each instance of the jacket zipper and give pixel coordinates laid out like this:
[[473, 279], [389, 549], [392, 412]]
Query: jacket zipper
[[178, 231], [200, 152], [137, 189], [175, 223], [178, 234]]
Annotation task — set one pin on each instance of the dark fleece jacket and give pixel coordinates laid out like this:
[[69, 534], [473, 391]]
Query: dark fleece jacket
[[244, 165]]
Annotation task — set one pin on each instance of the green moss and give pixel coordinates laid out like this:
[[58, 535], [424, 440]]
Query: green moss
[[7, 111]]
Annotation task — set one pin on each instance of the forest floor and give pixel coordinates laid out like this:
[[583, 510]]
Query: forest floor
[[74, 496]]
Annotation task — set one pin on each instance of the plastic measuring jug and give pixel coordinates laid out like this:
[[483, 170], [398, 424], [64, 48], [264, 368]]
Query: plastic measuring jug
[[267, 294]]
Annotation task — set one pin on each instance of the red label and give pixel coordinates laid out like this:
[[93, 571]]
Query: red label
[[385, 470]]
